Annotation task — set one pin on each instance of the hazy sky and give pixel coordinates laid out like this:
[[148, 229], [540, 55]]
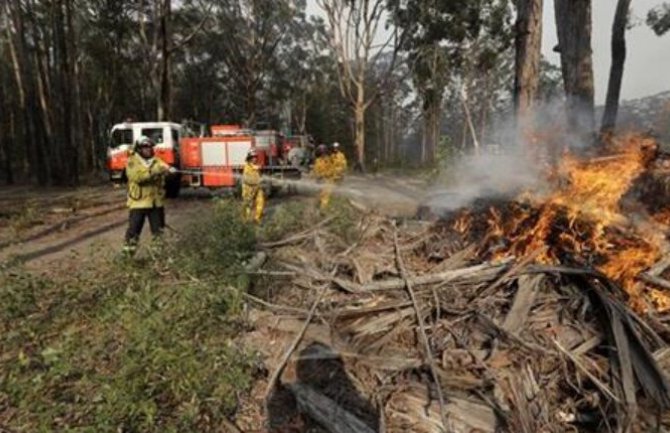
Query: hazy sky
[[647, 64]]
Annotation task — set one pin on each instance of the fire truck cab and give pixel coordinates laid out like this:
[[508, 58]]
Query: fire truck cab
[[166, 136]]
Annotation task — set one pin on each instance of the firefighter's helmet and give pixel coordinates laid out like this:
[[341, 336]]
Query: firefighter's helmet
[[145, 141], [321, 150], [336, 146], [252, 154]]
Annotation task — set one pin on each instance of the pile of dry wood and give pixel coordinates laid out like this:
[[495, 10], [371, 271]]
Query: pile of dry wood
[[408, 329]]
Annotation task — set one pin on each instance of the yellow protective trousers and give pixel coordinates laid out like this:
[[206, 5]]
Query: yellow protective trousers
[[326, 191], [253, 201]]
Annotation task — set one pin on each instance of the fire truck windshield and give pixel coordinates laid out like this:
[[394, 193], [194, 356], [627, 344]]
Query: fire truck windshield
[[120, 137], [156, 134]]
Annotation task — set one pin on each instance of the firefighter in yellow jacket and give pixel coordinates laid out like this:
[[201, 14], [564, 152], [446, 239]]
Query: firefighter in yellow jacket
[[252, 193], [146, 192], [338, 161], [323, 171]]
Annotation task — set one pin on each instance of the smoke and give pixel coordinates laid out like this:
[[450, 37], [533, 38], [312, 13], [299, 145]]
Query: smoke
[[507, 163], [489, 174]]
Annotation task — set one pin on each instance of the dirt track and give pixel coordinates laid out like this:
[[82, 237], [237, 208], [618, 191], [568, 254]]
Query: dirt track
[[60, 236], [54, 229]]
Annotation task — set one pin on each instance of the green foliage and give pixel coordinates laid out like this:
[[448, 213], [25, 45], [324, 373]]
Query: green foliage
[[130, 346], [551, 81], [218, 243], [300, 215], [457, 45], [345, 218], [291, 217]]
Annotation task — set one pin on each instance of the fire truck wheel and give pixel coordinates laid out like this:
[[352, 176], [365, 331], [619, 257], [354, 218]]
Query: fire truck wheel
[[172, 186]]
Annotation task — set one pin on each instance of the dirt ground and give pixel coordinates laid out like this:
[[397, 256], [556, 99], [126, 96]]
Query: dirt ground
[[51, 229]]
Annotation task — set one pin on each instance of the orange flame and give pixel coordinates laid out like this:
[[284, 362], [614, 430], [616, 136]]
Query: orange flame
[[584, 219]]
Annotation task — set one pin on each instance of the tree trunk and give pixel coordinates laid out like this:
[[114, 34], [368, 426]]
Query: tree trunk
[[359, 127], [433, 131], [573, 24], [424, 137], [6, 127], [23, 75], [527, 61], [302, 119], [616, 70], [251, 107], [77, 135], [9, 150], [66, 169], [165, 86]]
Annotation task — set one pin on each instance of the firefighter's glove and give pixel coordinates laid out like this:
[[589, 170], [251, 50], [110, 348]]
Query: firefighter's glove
[[172, 170], [159, 170]]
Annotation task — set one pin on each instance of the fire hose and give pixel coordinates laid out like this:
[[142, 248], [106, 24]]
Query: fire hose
[[309, 184]]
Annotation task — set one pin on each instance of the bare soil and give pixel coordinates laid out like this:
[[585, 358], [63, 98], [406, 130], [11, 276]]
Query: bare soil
[[50, 229]]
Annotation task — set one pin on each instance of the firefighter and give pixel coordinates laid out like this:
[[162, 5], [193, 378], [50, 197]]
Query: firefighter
[[252, 194], [146, 192], [338, 161], [323, 171]]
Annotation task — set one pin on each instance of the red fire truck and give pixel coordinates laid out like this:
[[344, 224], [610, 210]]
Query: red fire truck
[[213, 161]]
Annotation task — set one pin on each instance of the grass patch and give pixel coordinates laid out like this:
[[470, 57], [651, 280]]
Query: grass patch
[[300, 215], [132, 346]]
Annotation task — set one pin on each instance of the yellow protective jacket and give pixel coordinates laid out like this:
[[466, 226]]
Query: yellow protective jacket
[[251, 175], [323, 168], [339, 164], [146, 182]]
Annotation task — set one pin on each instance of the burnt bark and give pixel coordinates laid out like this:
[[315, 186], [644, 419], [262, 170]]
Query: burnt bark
[[617, 68], [527, 61], [573, 25]]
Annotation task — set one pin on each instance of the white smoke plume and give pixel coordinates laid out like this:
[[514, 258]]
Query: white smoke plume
[[504, 166]]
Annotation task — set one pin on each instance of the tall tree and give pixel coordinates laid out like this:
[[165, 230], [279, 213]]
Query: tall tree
[[616, 70], [353, 30], [528, 37], [573, 25], [249, 34], [457, 43]]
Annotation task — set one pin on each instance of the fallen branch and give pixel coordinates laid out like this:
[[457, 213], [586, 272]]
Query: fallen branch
[[483, 272], [422, 329], [298, 237], [601, 386], [656, 281], [513, 270], [275, 307], [326, 412], [282, 364], [659, 267]]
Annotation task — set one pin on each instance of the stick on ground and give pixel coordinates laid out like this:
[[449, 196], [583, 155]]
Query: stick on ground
[[282, 364], [422, 329]]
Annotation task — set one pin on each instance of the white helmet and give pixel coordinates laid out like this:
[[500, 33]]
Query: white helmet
[[145, 141], [251, 154], [336, 145]]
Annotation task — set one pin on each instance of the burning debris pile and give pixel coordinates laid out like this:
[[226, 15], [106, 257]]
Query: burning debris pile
[[520, 316]]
